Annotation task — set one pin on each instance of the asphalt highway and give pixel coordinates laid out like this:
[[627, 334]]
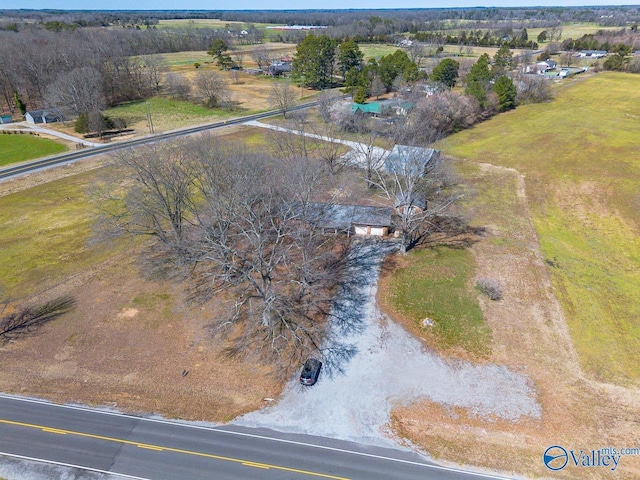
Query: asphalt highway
[[156, 449], [26, 167]]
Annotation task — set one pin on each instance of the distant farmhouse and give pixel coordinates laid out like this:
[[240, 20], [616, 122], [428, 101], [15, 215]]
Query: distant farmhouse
[[43, 116], [297, 27], [281, 67], [592, 54]]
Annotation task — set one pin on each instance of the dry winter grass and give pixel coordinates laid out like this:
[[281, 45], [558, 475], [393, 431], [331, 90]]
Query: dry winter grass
[[547, 219], [131, 336]]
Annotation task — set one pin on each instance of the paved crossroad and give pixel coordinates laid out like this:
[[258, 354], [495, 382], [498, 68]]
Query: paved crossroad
[[162, 450]]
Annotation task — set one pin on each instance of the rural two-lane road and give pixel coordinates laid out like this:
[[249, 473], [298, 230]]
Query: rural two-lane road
[[26, 167], [163, 450]]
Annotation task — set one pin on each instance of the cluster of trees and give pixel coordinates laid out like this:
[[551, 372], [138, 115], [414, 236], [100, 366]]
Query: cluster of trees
[[86, 69], [242, 227], [378, 77], [480, 38], [617, 42]]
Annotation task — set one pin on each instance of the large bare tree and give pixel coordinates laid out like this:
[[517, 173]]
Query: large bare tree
[[213, 88], [243, 228], [79, 91], [282, 96], [417, 180]]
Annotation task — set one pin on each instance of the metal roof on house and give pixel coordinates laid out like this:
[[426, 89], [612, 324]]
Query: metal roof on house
[[50, 115], [373, 107], [343, 217], [374, 216], [409, 160]]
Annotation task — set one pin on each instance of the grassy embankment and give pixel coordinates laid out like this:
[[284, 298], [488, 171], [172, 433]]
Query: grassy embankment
[[579, 155], [18, 148]]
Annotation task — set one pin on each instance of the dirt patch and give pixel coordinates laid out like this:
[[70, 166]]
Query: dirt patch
[[135, 344], [530, 335]]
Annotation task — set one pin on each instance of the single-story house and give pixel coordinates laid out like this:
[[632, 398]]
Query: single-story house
[[5, 119], [408, 160], [280, 67], [541, 67], [357, 219], [43, 116], [592, 53], [373, 108], [380, 107]]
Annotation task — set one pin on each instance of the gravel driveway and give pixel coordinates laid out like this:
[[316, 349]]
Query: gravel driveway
[[390, 368]]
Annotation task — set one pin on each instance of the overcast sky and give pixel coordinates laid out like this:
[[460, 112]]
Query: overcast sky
[[284, 4]]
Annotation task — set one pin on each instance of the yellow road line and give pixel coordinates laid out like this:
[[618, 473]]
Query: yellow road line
[[169, 449], [54, 430], [150, 447], [256, 465]]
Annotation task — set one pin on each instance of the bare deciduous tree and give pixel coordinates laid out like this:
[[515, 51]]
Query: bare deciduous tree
[[178, 87], [282, 96], [326, 101], [242, 227], [416, 52], [155, 67], [330, 149], [377, 87], [77, 91], [261, 56], [367, 154], [533, 89], [295, 145], [415, 179], [212, 88]]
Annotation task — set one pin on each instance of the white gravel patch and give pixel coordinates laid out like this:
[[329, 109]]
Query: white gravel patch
[[392, 368]]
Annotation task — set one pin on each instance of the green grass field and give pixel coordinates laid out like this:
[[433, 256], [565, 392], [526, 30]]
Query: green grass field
[[580, 157], [47, 235], [377, 51], [18, 148], [167, 114], [438, 283]]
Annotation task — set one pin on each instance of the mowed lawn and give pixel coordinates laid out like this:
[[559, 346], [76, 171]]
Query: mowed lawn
[[18, 148], [436, 284], [580, 155]]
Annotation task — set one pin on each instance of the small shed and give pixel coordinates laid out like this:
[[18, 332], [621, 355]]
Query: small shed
[[412, 203], [43, 116]]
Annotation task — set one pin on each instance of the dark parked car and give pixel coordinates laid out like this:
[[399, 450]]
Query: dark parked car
[[310, 371]]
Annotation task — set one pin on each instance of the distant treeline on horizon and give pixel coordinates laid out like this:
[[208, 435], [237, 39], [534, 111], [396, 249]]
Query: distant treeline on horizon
[[528, 16]]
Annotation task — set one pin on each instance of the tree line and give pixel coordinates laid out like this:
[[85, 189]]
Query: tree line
[[83, 69]]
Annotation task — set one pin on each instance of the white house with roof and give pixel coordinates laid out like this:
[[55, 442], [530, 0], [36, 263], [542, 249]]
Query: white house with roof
[[51, 115]]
